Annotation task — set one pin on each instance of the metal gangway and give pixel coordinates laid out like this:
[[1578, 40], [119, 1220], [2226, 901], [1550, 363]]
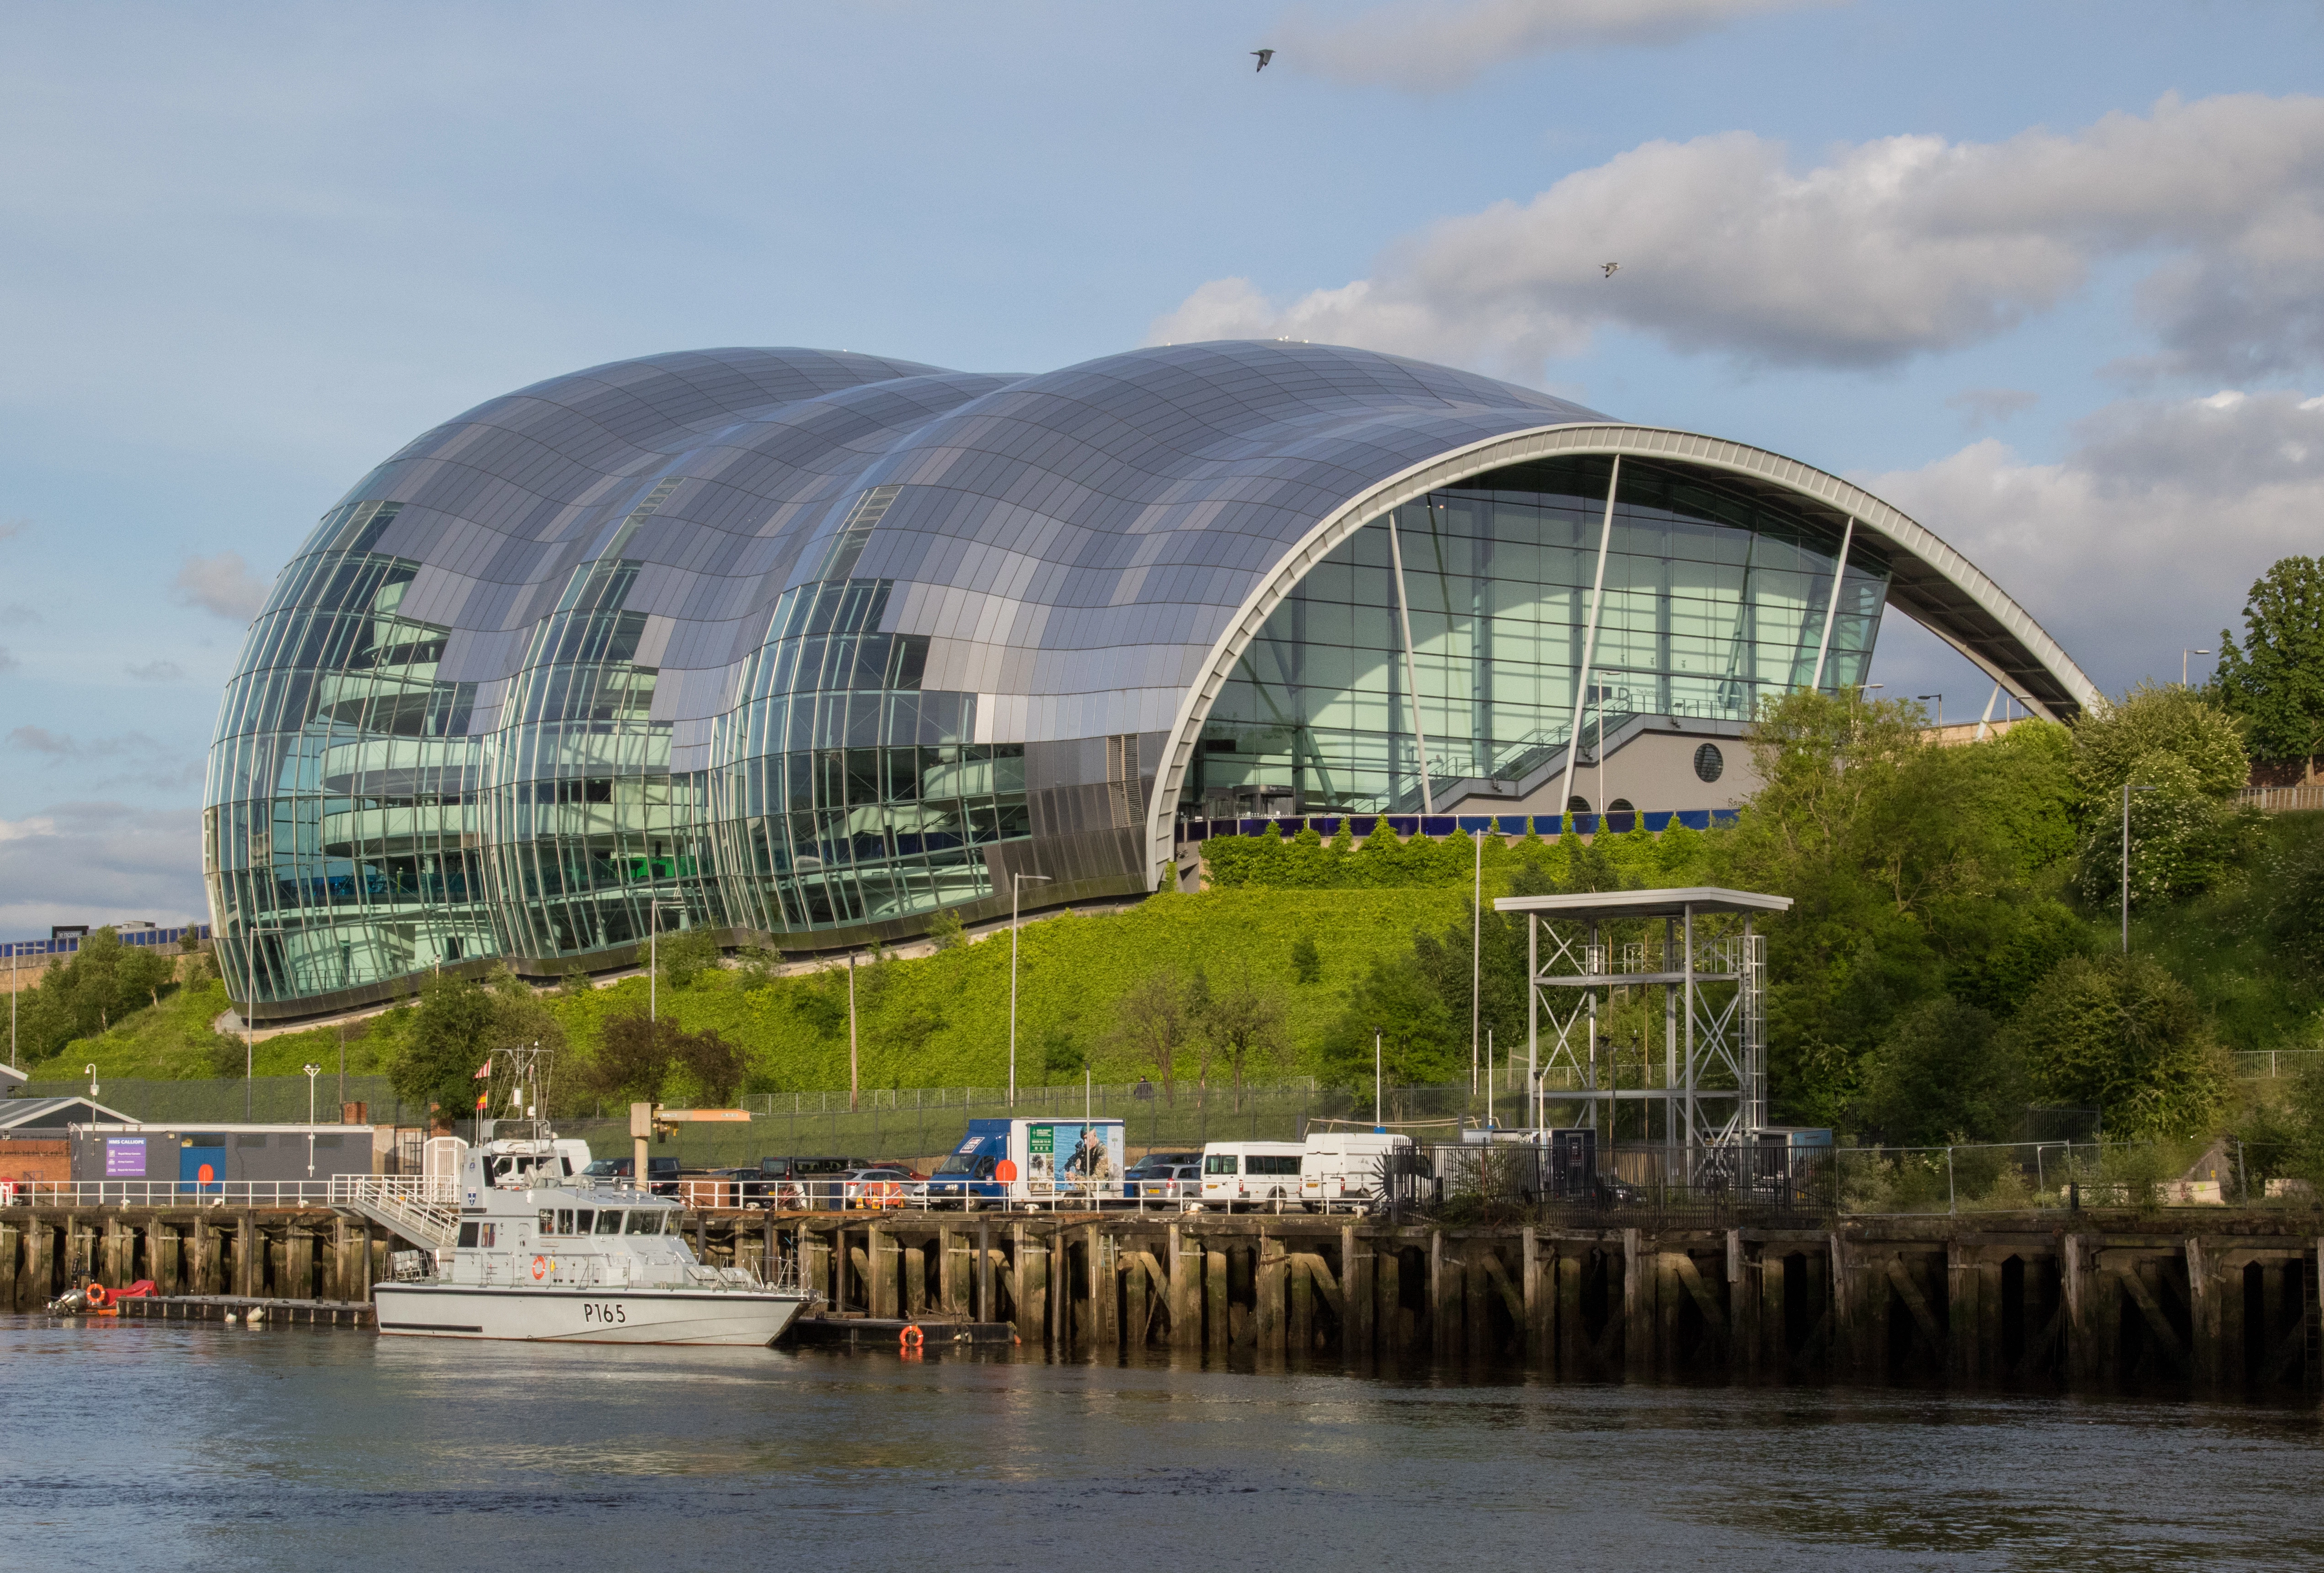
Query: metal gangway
[[423, 1208]]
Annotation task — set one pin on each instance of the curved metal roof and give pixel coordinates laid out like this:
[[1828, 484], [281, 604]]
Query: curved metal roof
[[1078, 545]]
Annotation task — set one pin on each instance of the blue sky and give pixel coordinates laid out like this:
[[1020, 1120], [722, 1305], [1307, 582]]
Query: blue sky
[[2045, 275]]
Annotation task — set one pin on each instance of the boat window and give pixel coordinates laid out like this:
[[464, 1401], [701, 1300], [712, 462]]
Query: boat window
[[1219, 1163], [645, 1222], [468, 1235], [548, 1221], [609, 1222], [581, 1221], [484, 1236]]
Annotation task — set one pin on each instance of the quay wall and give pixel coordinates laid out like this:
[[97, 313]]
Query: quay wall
[[2223, 1301]]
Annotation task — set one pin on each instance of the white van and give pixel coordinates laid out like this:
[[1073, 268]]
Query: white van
[[1344, 1165], [1250, 1173]]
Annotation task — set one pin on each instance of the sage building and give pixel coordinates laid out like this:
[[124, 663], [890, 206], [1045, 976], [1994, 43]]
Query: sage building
[[803, 647]]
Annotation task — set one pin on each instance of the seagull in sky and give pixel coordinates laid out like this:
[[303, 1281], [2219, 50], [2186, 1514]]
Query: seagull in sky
[[1263, 56], [1611, 268]]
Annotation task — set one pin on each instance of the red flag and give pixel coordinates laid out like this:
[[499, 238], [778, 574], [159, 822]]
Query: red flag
[[483, 1070]]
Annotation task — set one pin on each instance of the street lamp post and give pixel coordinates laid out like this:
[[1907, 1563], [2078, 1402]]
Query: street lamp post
[[2126, 790], [1016, 896], [1375, 1079], [312, 1072], [653, 955], [92, 1087], [1940, 698], [2183, 654]]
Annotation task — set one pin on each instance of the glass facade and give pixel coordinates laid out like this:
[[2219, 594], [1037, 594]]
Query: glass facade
[[801, 646], [341, 825], [1715, 595]]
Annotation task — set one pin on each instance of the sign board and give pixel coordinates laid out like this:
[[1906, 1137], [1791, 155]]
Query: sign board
[[124, 1157]]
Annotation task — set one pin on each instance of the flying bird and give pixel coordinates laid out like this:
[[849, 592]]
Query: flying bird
[[1263, 56], [1611, 268]]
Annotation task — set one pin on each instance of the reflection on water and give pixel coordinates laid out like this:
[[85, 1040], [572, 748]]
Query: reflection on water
[[209, 1447]]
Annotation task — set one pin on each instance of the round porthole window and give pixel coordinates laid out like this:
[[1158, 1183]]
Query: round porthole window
[[1709, 762]]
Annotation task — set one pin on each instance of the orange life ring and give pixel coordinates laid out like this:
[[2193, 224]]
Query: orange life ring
[[911, 1337], [539, 1268], [99, 1297]]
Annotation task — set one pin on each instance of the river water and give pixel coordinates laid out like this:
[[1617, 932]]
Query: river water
[[200, 1446]]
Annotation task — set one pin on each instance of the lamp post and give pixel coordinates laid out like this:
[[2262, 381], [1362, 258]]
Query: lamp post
[[2182, 664], [1477, 958], [312, 1072], [2126, 790], [1940, 698], [1375, 1079], [1016, 896], [92, 1087], [653, 954]]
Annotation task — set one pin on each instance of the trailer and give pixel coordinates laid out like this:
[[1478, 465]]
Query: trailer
[[1032, 1163]]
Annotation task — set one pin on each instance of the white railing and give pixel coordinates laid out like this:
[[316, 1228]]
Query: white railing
[[423, 1208], [164, 1194]]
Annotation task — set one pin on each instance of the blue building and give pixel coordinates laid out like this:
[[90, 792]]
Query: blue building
[[801, 647]]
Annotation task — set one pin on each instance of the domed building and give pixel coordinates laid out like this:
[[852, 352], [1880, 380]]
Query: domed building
[[802, 647]]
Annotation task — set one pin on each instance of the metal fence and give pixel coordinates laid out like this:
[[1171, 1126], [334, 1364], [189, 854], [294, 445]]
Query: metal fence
[[2269, 1064]]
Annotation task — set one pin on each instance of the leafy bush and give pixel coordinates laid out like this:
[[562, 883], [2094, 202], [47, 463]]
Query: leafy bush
[[1941, 1077], [2124, 1036]]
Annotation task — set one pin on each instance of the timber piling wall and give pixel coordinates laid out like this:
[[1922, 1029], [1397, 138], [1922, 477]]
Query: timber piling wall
[[2222, 1303]]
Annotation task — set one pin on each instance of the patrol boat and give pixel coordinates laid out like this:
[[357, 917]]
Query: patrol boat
[[544, 1251], [540, 1249]]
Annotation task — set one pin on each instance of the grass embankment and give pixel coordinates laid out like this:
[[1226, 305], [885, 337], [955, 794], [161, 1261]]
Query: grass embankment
[[935, 1021]]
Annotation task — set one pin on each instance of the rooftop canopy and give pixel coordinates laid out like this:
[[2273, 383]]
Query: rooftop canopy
[[1677, 903]]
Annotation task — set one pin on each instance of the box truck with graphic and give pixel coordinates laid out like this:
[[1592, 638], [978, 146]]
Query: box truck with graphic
[[1035, 1162]]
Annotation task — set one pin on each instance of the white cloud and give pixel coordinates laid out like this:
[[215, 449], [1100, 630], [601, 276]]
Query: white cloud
[[2147, 536], [223, 585], [1433, 45], [1888, 249], [99, 862]]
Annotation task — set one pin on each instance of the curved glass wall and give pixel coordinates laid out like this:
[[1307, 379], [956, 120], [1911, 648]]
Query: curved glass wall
[[594, 840], [1716, 594], [338, 825], [856, 795]]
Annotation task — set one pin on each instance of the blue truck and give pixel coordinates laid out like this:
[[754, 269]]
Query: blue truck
[[1033, 1162]]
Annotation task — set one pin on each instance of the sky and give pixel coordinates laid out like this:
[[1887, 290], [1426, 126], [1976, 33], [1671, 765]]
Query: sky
[[2047, 276]]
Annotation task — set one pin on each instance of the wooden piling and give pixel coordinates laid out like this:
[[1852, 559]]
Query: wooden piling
[[1393, 1329], [1269, 1281], [1358, 1320], [1218, 1325]]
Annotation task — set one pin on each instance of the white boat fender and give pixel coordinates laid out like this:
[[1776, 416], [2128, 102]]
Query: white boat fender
[[229, 1318]]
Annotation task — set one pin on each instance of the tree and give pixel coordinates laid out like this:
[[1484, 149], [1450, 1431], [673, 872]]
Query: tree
[[1306, 961], [88, 992], [450, 1037], [716, 1066], [2274, 683], [1939, 1077], [945, 931], [2121, 1035], [685, 955], [1151, 1022], [635, 1056], [1249, 1022], [2183, 832], [1421, 1042], [459, 1025]]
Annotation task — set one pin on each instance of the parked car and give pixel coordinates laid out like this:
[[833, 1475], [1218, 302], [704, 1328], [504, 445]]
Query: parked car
[[1163, 1177], [880, 1187], [662, 1173], [804, 1183]]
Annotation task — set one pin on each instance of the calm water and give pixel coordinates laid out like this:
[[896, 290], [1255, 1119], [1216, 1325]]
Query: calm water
[[208, 1447]]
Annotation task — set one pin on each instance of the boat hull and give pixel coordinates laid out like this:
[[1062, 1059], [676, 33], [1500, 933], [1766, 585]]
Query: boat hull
[[732, 1317]]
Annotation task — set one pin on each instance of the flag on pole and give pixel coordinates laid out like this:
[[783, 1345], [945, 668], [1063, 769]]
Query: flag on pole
[[483, 1070], [480, 1103]]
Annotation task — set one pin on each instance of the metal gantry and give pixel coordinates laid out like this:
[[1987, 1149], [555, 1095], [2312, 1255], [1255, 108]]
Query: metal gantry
[[1587, 952]]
